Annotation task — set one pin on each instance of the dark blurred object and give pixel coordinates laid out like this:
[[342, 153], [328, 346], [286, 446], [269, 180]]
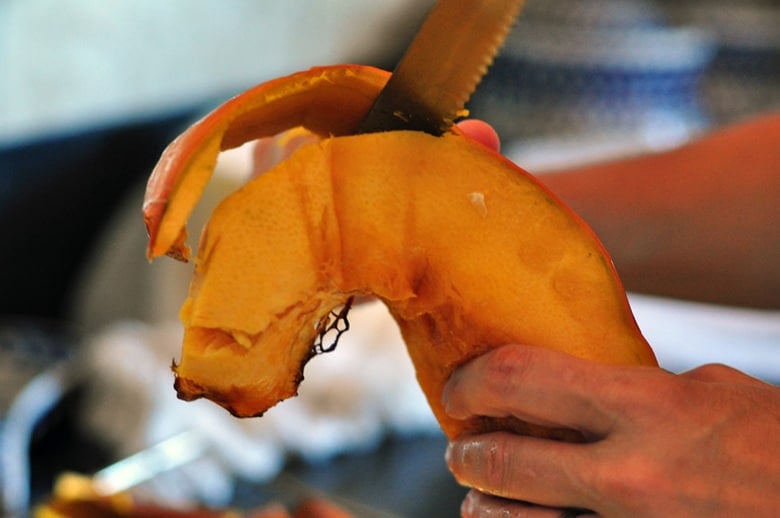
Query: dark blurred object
[[744, 78], [604, 66], [55, 195], [403, 477], [36, 378], [659, 69], [27, 348]]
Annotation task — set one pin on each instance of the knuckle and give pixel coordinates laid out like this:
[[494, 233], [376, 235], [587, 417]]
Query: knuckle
[[631, 480], [498, 466], [713, 369], [715, 372], [508, 366], [633, 396], [487, 384]]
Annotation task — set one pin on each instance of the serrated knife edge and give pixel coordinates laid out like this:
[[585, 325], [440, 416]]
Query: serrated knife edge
[[443, 65]]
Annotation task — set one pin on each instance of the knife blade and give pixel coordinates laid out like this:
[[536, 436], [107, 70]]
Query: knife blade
[[442, 66]]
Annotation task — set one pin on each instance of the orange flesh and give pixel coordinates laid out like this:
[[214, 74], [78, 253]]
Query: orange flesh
[[467, 251], [324, 100]]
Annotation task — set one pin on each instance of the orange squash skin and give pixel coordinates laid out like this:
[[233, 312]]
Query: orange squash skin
[[325, 100], [467, 251]]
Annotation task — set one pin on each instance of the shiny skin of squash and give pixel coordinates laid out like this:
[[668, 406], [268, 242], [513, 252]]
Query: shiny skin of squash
[[467, 251]]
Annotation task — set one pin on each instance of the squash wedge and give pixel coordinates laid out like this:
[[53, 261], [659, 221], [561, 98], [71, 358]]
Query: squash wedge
[[467, 251]]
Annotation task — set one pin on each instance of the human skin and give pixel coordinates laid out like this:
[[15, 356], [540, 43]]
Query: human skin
[[701, 443], [698, 222]]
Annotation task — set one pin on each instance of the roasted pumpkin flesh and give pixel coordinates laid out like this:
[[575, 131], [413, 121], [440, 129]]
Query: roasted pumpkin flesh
[[467, 251]]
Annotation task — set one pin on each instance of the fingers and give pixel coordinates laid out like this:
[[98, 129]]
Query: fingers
[[635, 463], [537, 385], [481, 505], [535, 470], [714, 373], [271, 150], [481, 132]]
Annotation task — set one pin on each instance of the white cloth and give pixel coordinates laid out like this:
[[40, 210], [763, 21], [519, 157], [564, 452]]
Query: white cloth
[[685, 335], [350, 399]]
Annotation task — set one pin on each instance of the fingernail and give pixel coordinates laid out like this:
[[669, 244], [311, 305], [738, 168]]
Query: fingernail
[[468, 506], [450, 407], [453, 456], [459, 453]]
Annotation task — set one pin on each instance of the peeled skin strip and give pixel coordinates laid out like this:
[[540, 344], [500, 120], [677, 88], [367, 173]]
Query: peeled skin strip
[[467, 251], [324, 100]]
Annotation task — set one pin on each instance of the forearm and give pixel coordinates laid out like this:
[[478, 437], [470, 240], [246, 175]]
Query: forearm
[[700, 222]]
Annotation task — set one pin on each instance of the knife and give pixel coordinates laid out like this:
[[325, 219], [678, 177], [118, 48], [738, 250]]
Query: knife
[[190, 445], [442, 66]]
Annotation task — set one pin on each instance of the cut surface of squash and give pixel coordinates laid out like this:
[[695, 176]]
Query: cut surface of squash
[[467, 251]]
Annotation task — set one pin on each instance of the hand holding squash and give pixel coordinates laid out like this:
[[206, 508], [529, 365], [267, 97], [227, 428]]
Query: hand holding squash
[[659, 444]]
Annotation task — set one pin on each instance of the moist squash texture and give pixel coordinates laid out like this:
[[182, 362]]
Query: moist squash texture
[[467, 251]]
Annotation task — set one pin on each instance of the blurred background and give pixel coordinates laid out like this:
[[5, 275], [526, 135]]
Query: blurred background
[[91, 92]]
